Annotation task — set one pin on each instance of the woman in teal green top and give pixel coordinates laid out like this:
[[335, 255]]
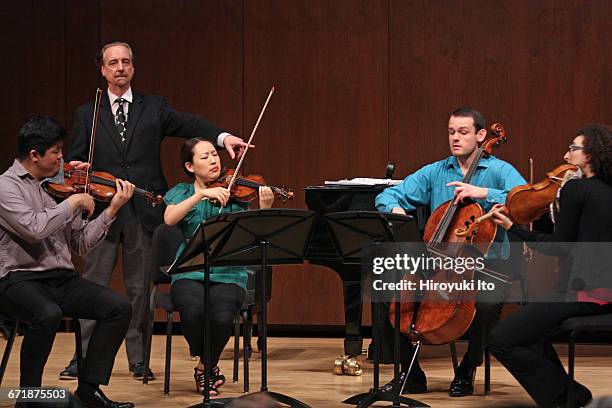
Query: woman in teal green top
[[188, 204]]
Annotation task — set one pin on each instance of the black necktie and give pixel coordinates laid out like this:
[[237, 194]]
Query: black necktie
[[120, 118]]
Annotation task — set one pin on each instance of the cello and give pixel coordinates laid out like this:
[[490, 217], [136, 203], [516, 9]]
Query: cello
[[439, 317]]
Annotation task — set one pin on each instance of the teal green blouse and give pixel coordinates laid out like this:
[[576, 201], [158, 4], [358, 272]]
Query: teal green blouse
[[199, 213]]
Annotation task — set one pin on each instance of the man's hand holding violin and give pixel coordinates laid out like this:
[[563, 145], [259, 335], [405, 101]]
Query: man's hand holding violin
[[84, 201]]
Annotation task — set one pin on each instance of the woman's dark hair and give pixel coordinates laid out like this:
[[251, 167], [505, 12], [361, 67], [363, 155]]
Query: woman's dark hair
[[187, 153], [598, 145], [38, 133]]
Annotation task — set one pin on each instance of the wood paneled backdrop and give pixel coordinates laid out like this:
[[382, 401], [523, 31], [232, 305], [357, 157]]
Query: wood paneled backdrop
[[359, 83]]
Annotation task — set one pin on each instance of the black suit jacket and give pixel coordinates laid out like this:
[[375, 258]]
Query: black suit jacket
[[150, 119]]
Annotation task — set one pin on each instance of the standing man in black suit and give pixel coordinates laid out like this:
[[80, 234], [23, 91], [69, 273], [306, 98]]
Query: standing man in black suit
[[128, 143]]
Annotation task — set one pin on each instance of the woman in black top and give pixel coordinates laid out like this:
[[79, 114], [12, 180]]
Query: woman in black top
[[520, 342]]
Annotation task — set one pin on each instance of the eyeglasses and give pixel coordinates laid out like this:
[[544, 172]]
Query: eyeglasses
[[574, 147]]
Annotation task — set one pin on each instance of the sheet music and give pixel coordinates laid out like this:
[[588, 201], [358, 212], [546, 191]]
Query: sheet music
[[363, 181]]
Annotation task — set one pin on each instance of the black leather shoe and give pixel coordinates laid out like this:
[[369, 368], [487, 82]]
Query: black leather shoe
[[70, 372], [582, 397], [415, 384], [137, 370], [463, 383], [99, 400]]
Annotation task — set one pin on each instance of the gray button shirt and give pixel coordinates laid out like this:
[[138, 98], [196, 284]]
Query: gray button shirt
[[36, 233]]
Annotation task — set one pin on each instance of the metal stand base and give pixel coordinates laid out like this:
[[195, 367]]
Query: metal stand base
[[216, 403], [368, 398], [283, 399]]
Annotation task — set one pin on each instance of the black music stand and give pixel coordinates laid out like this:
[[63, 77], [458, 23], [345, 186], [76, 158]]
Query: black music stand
[[254, 237], [351, 232]]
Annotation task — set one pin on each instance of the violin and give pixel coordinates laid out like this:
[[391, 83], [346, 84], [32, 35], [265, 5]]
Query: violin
[[101, 186], [527, 203], [246, 188], [439, 317]]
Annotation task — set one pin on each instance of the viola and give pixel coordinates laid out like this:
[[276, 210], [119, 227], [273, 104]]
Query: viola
[[245, 188], [438, 317], [526, 203], [101, 186]]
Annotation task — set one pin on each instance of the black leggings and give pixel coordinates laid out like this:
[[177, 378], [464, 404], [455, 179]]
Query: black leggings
[[225, 301]]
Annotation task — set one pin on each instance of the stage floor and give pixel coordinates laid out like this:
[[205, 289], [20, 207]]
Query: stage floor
[[302, 368]]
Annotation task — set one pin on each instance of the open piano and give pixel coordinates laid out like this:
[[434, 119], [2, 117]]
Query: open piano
[[331, 198]]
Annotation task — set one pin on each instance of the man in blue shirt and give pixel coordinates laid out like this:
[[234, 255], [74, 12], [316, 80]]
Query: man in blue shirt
[[431, 186]]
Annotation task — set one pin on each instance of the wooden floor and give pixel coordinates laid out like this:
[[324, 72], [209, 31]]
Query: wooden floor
[[302, 368]]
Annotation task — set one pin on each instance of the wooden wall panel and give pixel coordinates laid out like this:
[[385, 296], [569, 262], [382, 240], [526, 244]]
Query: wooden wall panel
[[536, 67], [82, 42], [358, 83], [33, 68], [327, 119]]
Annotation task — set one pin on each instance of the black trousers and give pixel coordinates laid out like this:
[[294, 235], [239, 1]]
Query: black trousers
[[99, 265], [225, 301], [488, 311], [43, 302], [521, 344]]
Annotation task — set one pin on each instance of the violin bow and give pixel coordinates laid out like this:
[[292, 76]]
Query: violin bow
[[528, 252], [92, 138], [233, 179]]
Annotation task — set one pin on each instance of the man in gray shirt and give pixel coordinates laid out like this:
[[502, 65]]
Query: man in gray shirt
[[38, 281]]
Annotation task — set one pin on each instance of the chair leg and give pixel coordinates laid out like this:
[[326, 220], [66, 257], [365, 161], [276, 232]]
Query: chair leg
[[248, 329], [7, 350], [487, 373], [236, 345], [148, 333], [79, 348], [570, 369], [453, 349], [168, 351]]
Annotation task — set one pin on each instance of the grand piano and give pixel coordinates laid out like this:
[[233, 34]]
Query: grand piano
[[334, 198]]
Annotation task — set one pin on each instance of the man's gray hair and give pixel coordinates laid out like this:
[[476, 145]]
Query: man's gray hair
[[107, 45]]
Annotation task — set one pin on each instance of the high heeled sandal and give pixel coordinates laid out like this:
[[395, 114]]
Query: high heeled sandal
[[217, 376], [200, 380]]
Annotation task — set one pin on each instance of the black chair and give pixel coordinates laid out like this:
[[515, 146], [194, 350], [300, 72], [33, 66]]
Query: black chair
[[9, 346], [576, 325], [11, 340], [165, 243]]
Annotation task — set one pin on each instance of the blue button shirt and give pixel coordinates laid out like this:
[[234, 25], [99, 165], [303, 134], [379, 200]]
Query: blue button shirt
[[428, 186]]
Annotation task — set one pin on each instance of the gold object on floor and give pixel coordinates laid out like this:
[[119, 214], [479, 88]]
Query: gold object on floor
[[347, 365], [339, 364], [353, 367]]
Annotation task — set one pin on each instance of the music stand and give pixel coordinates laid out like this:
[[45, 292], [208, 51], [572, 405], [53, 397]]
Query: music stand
[[253, 237], [351, 232]]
